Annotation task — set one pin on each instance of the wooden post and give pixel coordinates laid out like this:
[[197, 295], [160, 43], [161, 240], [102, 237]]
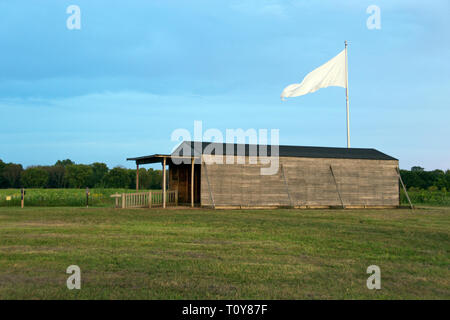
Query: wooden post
[[404, 189], [150, 199], [164, 182], [286, 185], [87, 197], [209, 186], [192, 181], [176, 197], [137, 176], [22, 198], [337, 188], [123, 201]]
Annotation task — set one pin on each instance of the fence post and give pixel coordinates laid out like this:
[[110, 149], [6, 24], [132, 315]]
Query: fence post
[[22, 200], [123, 201], [176, 197], [150, 199], [87, 197]]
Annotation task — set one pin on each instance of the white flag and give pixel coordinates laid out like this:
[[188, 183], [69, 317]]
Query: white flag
[[330, 74]]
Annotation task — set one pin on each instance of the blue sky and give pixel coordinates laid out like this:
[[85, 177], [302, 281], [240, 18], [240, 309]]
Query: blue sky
[[138, 70]]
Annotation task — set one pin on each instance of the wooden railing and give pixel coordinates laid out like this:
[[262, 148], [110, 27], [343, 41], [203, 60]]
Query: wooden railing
[[145, 199]]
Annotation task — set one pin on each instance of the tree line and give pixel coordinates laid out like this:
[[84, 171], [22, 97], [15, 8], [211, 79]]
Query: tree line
[[418, 178], [68, 174]]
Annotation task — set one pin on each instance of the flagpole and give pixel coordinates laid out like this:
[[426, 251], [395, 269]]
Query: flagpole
[[346, 96]]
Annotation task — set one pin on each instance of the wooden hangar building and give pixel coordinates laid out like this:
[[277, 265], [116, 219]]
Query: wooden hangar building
[[221, 175]]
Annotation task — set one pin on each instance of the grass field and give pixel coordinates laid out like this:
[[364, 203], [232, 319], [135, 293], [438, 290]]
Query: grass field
[[240, 254]]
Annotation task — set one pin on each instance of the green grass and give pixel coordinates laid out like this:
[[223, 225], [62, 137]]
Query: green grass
[[224, 254], [60, 197]]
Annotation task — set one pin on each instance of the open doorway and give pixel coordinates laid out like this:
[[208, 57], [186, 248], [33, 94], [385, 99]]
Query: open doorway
[[180, 178]]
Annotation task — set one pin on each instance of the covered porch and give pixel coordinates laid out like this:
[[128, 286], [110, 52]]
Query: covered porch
[[183, 176]]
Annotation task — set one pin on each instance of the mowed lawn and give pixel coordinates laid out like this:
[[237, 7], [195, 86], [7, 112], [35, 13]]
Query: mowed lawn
[[224, 254]]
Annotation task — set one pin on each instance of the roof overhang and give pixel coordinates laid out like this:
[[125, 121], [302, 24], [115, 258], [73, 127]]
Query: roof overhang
[[159, 158]]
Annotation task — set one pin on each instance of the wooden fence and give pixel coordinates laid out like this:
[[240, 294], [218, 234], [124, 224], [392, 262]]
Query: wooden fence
[[145, 199]]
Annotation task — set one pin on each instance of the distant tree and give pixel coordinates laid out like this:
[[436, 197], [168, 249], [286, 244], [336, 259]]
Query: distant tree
[[12, 172], [447, 179], [132, 178], [421, 179], [77, 175], [3, 181], [144, 179], [64, 163], [55, 176], [34, 177], [99, 170], [117, 177], [155, 179]]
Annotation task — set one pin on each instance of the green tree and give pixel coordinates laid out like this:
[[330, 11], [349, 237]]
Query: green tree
[[99, 170], [155, 179], [34, 177], [3, 181], [78, 175], [117, 177], [55, 176], [64, 163], [144, 179], [12, 172]]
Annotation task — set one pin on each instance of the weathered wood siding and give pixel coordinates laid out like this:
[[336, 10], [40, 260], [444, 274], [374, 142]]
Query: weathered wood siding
[[180, 180], [308, 182]]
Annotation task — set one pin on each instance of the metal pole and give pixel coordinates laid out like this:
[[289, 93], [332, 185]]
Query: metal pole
[[346, 96]]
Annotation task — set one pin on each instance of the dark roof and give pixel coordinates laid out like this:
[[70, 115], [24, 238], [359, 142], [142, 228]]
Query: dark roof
[[198, 148], [154, 158]]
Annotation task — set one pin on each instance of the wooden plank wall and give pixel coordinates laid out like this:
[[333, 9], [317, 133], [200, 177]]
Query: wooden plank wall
[[180, 180], [309, 181]]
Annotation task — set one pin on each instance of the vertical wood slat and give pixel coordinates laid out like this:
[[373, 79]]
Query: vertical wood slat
[[148, 199]]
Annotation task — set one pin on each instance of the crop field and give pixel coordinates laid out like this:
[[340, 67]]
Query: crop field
[[60, 197], [427, 197], [224, 254]]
